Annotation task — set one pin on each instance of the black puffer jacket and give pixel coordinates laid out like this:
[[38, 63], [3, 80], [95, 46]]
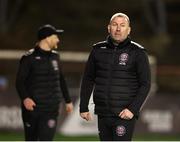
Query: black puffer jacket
[[119, 75], [40, 78]]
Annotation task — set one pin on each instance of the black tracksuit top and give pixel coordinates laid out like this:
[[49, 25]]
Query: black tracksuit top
[[119, 77], [40, 78]]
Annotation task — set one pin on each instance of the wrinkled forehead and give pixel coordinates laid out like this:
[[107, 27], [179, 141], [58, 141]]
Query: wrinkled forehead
[[120, 15]]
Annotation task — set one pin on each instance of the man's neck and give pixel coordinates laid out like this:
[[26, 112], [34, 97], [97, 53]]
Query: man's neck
[[44, 46]]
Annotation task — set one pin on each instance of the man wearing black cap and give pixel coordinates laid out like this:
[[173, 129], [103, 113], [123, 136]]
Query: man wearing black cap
[[39, 84]]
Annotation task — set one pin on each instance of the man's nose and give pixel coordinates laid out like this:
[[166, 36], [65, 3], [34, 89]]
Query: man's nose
[[118, 28]]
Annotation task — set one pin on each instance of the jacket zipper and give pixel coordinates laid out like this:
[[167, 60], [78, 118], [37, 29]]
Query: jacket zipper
[[110, 80]]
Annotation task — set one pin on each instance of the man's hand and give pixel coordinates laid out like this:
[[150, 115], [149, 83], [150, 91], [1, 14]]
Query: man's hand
[[69, 107], [86, 115], [29, 104], [126, 114]]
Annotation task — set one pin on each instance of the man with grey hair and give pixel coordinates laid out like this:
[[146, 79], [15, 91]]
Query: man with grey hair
[[118, 73]]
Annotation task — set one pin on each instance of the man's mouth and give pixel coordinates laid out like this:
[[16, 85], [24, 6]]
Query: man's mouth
[[118, 34]]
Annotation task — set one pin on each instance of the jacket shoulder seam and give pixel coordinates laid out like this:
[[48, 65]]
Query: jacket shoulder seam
[[137, 45]]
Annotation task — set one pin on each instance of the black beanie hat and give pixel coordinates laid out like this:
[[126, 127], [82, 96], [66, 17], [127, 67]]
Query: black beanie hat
[[48, 30]]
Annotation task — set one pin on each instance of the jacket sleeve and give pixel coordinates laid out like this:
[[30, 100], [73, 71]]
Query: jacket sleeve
[[87, 82], [144, 78], [63, 84], [22, 77], [64, 88]]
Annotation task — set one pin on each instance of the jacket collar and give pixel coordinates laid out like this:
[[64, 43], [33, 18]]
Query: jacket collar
[[120, 45], [41, 51]]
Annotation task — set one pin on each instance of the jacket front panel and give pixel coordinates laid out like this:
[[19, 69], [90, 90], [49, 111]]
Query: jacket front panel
[[116, 81], [43, 83]]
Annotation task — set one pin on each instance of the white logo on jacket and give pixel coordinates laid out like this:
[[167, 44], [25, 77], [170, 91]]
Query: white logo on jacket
[[37, 57], [55, 65]]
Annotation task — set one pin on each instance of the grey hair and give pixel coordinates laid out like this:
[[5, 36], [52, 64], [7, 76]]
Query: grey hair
[[120, 15]]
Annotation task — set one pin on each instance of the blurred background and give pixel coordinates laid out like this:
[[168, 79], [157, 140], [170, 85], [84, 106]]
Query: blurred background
[[154, 25]]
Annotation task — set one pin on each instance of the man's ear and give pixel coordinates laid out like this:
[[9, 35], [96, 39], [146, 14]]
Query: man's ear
[[129, 30], [108, 27]]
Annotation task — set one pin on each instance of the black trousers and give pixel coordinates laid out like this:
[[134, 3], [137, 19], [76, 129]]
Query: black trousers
[[39, 126], [115, 128]]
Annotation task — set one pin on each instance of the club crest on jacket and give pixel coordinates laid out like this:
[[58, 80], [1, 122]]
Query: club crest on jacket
[[123, 58]]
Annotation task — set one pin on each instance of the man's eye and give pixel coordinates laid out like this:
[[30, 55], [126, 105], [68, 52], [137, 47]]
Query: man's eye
[[123, 25], [113, 24]]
